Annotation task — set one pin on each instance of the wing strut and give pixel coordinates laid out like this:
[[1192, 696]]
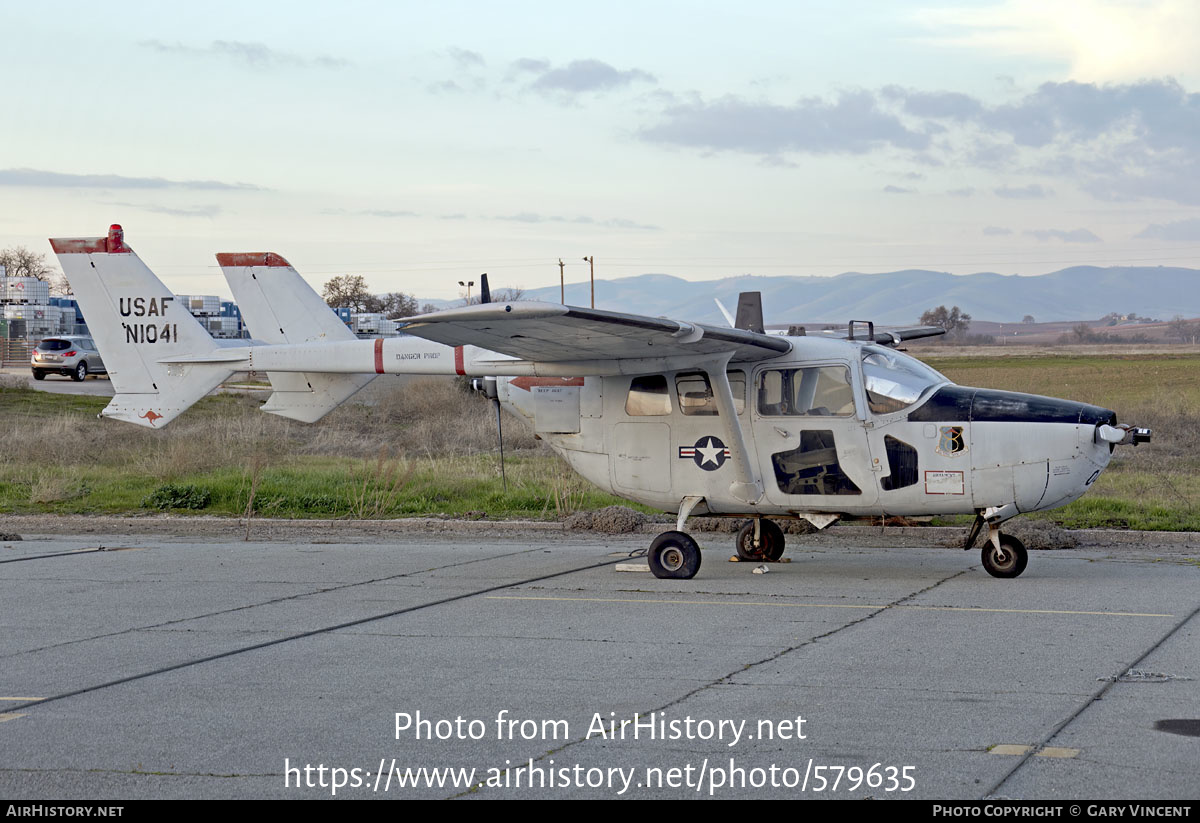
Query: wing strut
[[748, 486]]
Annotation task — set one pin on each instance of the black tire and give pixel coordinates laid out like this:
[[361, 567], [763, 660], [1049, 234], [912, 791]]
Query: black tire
[[38, 374], [674, 555], [80, 373], [771, 543], [1013, 561]]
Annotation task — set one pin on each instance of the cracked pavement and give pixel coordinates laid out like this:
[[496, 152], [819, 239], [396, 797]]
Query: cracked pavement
[[195, 665]]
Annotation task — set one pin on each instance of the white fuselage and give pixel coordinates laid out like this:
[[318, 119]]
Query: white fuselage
[[854, 459]]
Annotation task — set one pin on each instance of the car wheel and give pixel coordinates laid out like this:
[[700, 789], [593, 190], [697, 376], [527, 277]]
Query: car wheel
[[39, 375], [80, 373]]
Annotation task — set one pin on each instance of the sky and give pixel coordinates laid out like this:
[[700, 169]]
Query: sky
[[420, 144]]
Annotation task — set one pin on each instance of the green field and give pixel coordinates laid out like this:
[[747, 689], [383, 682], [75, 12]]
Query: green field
[[429, 450]]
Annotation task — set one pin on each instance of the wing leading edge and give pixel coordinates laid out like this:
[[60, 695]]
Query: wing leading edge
[[549, 332]]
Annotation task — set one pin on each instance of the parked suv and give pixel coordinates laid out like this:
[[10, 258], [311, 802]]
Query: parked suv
[[74, 357]]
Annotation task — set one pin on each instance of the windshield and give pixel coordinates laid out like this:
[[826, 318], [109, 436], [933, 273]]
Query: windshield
[[894, 381]]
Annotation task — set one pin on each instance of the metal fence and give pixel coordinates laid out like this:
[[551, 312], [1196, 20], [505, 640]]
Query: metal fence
[[15, 352]]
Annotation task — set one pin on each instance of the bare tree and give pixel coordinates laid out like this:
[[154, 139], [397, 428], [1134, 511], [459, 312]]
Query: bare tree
[[19, 261], [954, 321], [347, 291], [508, 295], [1181, 329]]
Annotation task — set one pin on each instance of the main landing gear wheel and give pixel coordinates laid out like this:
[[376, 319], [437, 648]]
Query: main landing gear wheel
[[1009, 561], [674, 555], [768, 547]]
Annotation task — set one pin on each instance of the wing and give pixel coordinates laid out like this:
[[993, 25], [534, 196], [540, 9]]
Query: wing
[[549, 332]]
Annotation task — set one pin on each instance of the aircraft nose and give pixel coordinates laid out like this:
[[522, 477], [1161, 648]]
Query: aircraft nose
[[965, 403], [1002, 406]]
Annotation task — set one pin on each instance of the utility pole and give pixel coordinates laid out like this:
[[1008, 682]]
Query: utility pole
[[562, 283], [591, 261]]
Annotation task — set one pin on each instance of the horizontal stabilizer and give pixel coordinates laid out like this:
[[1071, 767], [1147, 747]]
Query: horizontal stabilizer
[[308, 397]]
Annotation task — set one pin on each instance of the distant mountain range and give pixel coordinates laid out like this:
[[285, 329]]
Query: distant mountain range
[[1077, 293]]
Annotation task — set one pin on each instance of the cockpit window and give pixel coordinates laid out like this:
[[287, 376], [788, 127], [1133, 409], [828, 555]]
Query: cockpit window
[[895, 381], [818, 391]]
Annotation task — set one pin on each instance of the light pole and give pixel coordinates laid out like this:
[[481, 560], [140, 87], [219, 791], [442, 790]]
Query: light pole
[[591, 261], [468, 284], [562, 285]]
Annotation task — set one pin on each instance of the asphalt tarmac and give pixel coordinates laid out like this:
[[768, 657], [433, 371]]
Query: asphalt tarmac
[[344, 665]]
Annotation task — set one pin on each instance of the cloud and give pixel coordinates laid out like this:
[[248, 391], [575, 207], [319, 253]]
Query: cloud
[[249, 54], [193, 211], [1075, 236], [936, 104], [465, 58], [853, 124], [611, 223], [578, 77], [1098, 39], [1180, 230], [51, 179], [966, 191], [996, 231], [1033, 191], [1113, 141], [898, 190], [386, 213]]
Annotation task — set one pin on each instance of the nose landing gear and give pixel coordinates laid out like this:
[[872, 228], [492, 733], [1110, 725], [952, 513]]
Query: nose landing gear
[[1004, 557]]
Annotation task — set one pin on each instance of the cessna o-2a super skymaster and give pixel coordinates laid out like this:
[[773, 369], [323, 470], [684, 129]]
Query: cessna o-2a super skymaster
[[685, 417]]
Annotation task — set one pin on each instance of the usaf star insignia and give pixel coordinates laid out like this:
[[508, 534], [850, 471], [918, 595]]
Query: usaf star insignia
[[709, 453]]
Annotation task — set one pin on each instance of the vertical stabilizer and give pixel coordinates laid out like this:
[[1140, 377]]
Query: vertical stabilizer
[[137, 322], [749, 312], [280, 307]]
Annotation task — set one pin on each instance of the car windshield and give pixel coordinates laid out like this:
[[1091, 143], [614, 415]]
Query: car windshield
[[54, 345], [895, 381]]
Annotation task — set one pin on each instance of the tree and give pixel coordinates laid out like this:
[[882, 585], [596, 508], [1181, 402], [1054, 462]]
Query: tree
[[954, 321], [350, 291], [1181, 329], [1028, 319], [347, 291], [508, 295], [21, 262]]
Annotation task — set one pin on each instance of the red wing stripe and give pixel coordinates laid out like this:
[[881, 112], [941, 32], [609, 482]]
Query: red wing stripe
[[379, 355]]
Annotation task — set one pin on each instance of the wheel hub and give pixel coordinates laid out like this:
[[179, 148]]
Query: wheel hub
[[672, 559]]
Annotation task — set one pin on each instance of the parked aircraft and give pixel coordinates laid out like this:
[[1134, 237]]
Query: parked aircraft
[[684, 417]]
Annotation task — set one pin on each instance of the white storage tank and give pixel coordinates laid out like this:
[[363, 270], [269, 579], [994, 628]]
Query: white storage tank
[[366, 323], [201, 305], [39, 320], [24, 290]]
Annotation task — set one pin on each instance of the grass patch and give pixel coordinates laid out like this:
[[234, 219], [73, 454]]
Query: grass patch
[[427, 448]]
